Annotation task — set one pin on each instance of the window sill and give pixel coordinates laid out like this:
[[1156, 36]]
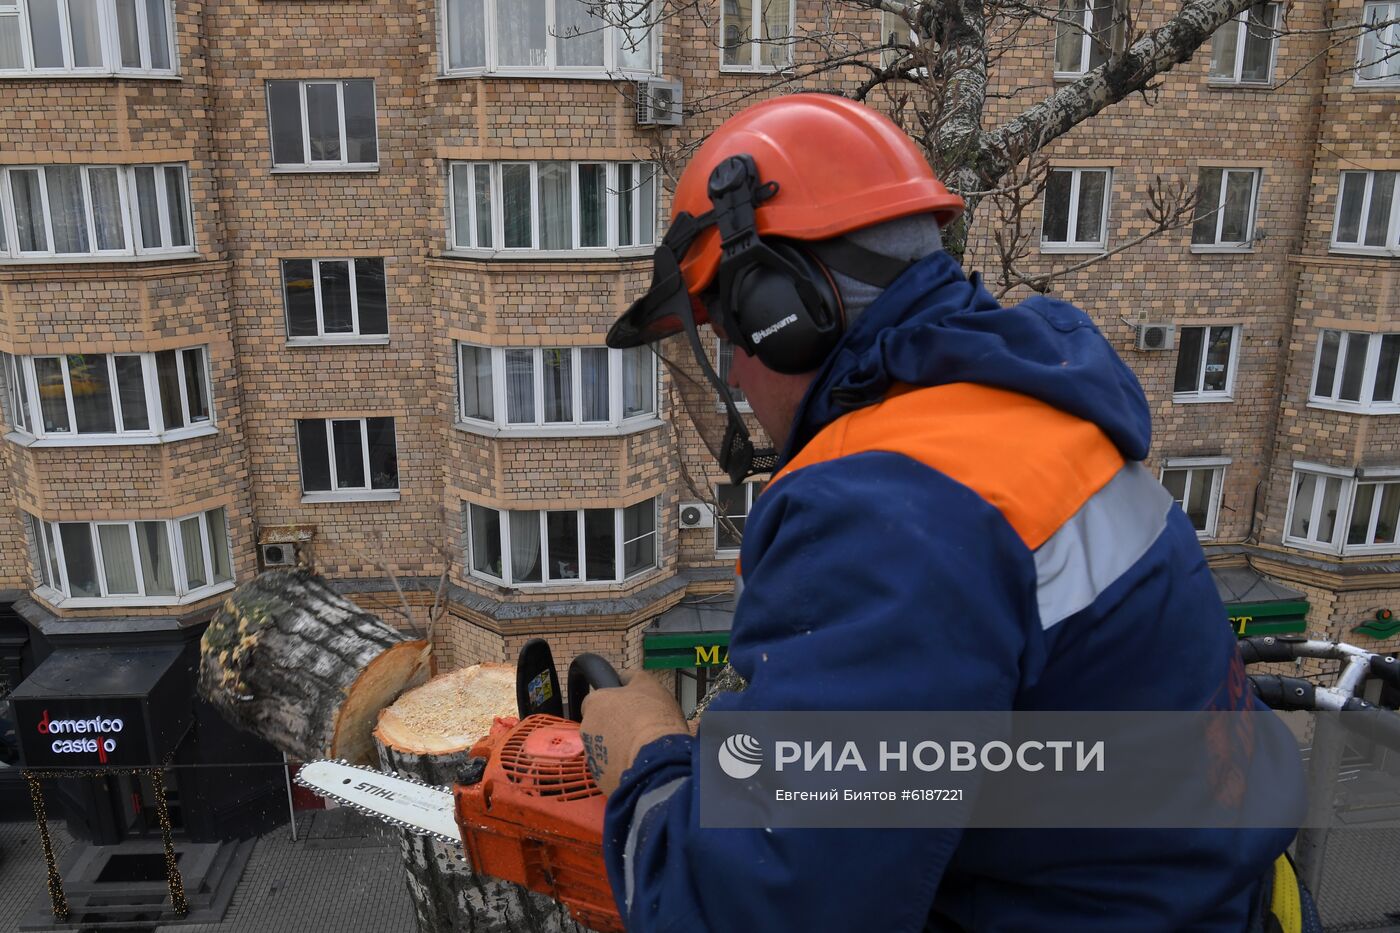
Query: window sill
[[754, 69], [560, 430], [1353, 550], [593, 585], [1377, 85], [54, 598], [1353, 408], [320, 169], [1064, 77], [535, 255], [468, 74], [1206, 249], [87, 76], [351, 495], [1372, 252], [1073, 249], [1202, 399], [1311, 547], [95, 259], [356, 340], [21, 439], [1225, 84]]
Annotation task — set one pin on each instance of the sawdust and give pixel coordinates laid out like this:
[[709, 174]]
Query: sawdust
[[451, 711]]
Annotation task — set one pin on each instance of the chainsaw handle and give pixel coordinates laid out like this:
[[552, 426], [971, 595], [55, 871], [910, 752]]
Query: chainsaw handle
[[587, 673]]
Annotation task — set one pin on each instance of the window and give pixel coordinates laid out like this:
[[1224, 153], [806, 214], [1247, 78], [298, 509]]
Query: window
[[146, 563], [1205, 363], [1225, 208], [898, 38], [1086, 31], [534, 36], [562, 545], [1366, 214], [86, 37], [1376, 59], [57, 211], [99, 398], [348, 458], [323, 124], [1335, 510], [1356, 371], [555, 386], [550, 206], [734, 503], [332, 299], [1196, 487], [756, 35], [726, 359], [1242, 50], [1076, 210]]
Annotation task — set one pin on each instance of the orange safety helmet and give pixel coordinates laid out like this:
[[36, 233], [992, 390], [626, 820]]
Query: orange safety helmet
[[838, 166]]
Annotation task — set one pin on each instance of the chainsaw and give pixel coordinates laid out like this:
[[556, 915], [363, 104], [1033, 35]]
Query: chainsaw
[[526, 809]]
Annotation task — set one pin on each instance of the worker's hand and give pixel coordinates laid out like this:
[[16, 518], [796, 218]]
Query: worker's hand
[[618, 721]]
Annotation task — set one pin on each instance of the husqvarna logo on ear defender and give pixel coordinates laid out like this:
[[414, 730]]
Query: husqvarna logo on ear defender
[[740, 756], [772, 329]]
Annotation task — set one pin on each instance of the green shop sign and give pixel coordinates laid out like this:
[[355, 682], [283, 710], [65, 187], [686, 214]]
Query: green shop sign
[[697, 649], [1383, 626], [1287, 617]]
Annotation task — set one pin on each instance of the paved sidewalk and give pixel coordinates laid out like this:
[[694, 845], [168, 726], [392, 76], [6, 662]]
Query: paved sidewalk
[[342, 876]]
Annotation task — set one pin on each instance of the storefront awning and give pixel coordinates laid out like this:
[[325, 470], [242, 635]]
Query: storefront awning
[[693, 633], [96, 707], [1258, 605]]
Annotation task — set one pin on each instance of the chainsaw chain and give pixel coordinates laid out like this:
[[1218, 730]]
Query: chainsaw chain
[[383, 817]]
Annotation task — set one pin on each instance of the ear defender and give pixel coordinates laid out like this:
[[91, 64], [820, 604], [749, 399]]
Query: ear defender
[[788, 312]]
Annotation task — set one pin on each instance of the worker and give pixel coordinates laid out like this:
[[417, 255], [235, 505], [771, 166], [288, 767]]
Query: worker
[[957, 518]]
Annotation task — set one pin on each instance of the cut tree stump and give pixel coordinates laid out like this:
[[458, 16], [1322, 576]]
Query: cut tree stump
[[295, 663], [427, 734]]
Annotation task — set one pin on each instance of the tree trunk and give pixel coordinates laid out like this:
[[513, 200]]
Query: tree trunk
[[293, 662], [427, 735]]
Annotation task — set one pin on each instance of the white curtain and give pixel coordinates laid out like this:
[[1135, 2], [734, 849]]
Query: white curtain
[[105, 191], [192, 550], [638, 382], [461, 206], [128, 34], [634, 38], [118, 563], [525, 547], [148, 207], [520, 386], [85, 33], [558, 384], [157, 570], [521, 33], [777, 32], [11, 42], [67, 208], [594, 377], [556, 206], [218, 544], [477, 401], [484, 237], [466, 34], [578, 34], [159, 33]]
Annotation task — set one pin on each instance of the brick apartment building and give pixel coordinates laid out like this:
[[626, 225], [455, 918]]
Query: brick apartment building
[[335, 276]]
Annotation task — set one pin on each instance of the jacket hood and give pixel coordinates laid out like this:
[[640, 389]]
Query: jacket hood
[[936, 326]]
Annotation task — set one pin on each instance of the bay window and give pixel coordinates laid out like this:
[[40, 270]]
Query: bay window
[[551, 206], [1357, 371], [348, 458], [1343, 511], [108, 398], [86, 37], [1195, 484], [1367, 220], [334, 299], [57, 211], [562, 387], [323, 125], [561, 546], [569, 37], [162, 562]]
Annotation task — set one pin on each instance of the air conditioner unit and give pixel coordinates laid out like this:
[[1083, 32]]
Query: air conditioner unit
[[1156, 336], [659, 103], [696, 515], [278, 555]]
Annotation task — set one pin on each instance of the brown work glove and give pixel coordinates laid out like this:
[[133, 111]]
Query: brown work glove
[[618, 721]]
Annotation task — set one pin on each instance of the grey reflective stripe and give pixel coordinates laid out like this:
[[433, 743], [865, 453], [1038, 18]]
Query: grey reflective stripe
[[645, 804], [1102, 541]]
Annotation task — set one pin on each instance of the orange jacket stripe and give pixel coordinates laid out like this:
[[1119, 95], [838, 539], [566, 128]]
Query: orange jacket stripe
[[1036, 464]]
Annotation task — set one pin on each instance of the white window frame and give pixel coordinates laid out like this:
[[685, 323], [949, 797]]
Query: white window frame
[[1200, 394], [756, 44], [1241, 38], [507, 570], [1078, 246], [109, 37], [1390, 35], [337, 493], [752, 488], [616, 423], [1369, 374], [1392, 237], [611, 195], [1347, 480], [1216, 466], [48, 549], [343, 164], [33, 433], [891, 23], [1217, 245], [1380, 478], [10, 251], [610, 70], [1086, 39], [321, 337]]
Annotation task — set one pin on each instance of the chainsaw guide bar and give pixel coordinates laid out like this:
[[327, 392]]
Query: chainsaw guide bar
[[414, 805]]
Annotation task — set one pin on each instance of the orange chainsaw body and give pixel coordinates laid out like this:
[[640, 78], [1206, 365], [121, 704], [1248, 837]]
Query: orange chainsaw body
[[536, 817]]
